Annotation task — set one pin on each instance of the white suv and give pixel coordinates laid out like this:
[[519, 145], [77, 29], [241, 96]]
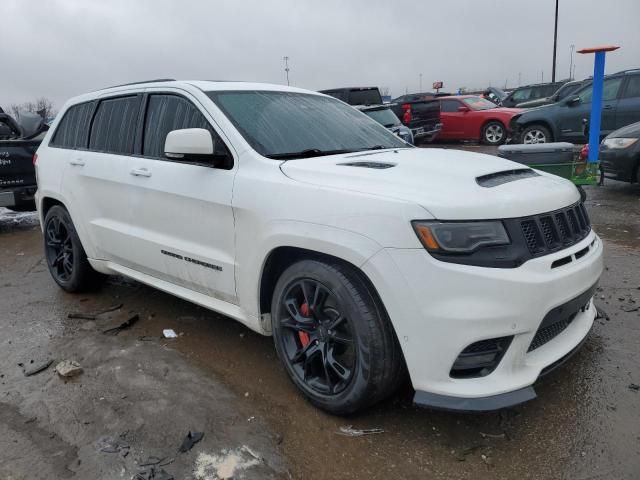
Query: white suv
[[301, 217]]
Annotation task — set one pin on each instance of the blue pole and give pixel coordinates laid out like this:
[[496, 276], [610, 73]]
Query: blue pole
[[596, 107]]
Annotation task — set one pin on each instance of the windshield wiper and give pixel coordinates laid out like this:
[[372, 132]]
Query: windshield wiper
[[308, 153]]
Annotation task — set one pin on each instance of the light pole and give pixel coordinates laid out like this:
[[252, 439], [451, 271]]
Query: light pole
[[555, 44], [286, 67], [420, 84], [572, 47]]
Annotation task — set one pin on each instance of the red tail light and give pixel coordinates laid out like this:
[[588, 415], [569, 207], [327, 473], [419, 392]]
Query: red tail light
[[406, 116], [35, 159]]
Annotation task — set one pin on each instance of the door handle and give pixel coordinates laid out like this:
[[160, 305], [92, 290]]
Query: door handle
[[78, 162], [140, 172], [608, 107]]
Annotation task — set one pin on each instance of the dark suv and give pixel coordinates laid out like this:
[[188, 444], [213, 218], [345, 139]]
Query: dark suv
[[530, 92], [564, 121]]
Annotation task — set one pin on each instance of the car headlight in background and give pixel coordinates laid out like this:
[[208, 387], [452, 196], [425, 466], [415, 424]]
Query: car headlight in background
[[618, 143], [460, 237]]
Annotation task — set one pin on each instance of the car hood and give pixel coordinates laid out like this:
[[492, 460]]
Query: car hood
[[441, 181], [630, 131]]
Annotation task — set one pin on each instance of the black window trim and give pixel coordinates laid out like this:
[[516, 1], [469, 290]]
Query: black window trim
[[93, 116], [142, 119], [85, 148]]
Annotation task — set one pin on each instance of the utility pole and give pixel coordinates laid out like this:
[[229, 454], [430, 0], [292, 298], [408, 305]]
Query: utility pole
[[555, 44], [572, 47], [519, 78], [420, 83], [286, 67]]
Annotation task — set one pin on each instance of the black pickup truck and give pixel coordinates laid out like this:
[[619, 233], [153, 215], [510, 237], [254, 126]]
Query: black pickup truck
[[421, 113], [19, 141]]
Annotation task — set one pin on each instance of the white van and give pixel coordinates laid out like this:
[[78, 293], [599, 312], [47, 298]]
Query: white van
[[301, 217]]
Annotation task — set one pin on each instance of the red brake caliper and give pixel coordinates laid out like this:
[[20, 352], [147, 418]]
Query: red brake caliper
[[304, 336]]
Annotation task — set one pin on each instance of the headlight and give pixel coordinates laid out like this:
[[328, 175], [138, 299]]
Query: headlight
[[618, 143], [460, 237]]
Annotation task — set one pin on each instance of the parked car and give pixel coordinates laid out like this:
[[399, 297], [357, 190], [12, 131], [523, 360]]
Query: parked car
[[389, 120], [564, 121], [469, 117], [356, 95], [421, 113], [560, 94], [530, 92], [494, 95], [303, 218], [19, 140], [620, 154]]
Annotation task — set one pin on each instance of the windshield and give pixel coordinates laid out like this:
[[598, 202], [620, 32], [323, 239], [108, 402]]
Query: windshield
[[384, 116], [478, 103], [298, 125]]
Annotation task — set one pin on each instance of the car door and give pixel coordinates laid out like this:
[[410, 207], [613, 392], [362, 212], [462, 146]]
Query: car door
[[452, 120], [628, 110], [94, 180], [570, 116], [184, 227]]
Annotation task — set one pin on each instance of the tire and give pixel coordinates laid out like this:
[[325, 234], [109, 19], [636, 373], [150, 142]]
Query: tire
[[340, 349], [536, 133], [66, 259], [493, 133]]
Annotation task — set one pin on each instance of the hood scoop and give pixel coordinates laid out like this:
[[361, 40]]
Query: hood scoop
[[500, 178], [374, 165]]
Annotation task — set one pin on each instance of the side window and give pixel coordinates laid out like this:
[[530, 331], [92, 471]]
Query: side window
[[633, 87], [449, 106], [171, 112], [73, 130], [521, 95], [114, 125], [609, 90]]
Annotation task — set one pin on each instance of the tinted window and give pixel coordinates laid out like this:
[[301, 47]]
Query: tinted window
[[449, 106], [171, 112], [114, 125], [73, 130], [521, 95], [633, 87], [365, 97], [609, 90], [281, 123]]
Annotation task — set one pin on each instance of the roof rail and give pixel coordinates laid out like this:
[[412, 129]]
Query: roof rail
[[630, 70], [143, 81]]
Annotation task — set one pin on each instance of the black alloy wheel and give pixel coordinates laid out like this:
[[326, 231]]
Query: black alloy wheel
[[59, 249], [317, 338], [334, 337]]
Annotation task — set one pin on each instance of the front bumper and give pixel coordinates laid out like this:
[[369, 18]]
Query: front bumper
[[427, 133], [438, 309], [619, 164]]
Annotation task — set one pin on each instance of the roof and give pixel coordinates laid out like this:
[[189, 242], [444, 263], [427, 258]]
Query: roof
[[204, 85]]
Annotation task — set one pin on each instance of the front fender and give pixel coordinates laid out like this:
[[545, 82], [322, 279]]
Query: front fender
[[346, 245]]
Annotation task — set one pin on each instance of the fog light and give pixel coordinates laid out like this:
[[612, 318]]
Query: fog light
[[480, 358]]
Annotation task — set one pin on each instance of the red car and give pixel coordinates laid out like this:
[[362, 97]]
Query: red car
[[469, 117]]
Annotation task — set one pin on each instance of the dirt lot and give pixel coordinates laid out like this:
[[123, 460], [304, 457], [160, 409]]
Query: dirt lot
[[223, 380]]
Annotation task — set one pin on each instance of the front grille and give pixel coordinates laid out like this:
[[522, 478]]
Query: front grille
[[553, 231]]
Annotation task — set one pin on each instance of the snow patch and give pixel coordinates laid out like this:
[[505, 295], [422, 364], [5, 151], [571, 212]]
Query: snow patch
[[225, 465]]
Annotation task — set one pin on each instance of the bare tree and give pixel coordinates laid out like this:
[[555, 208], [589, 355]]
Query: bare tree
[[42, 106]]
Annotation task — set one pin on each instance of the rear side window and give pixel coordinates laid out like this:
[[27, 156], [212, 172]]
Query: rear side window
[[633, 87], [73, 131], [114, 125], [171, 112]]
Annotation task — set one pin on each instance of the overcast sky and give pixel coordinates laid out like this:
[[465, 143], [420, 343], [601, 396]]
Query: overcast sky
[[61, 48]]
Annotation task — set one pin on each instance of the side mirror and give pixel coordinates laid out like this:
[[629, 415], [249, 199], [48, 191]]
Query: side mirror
[[188, 144], [572, 100], [463, 109]]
